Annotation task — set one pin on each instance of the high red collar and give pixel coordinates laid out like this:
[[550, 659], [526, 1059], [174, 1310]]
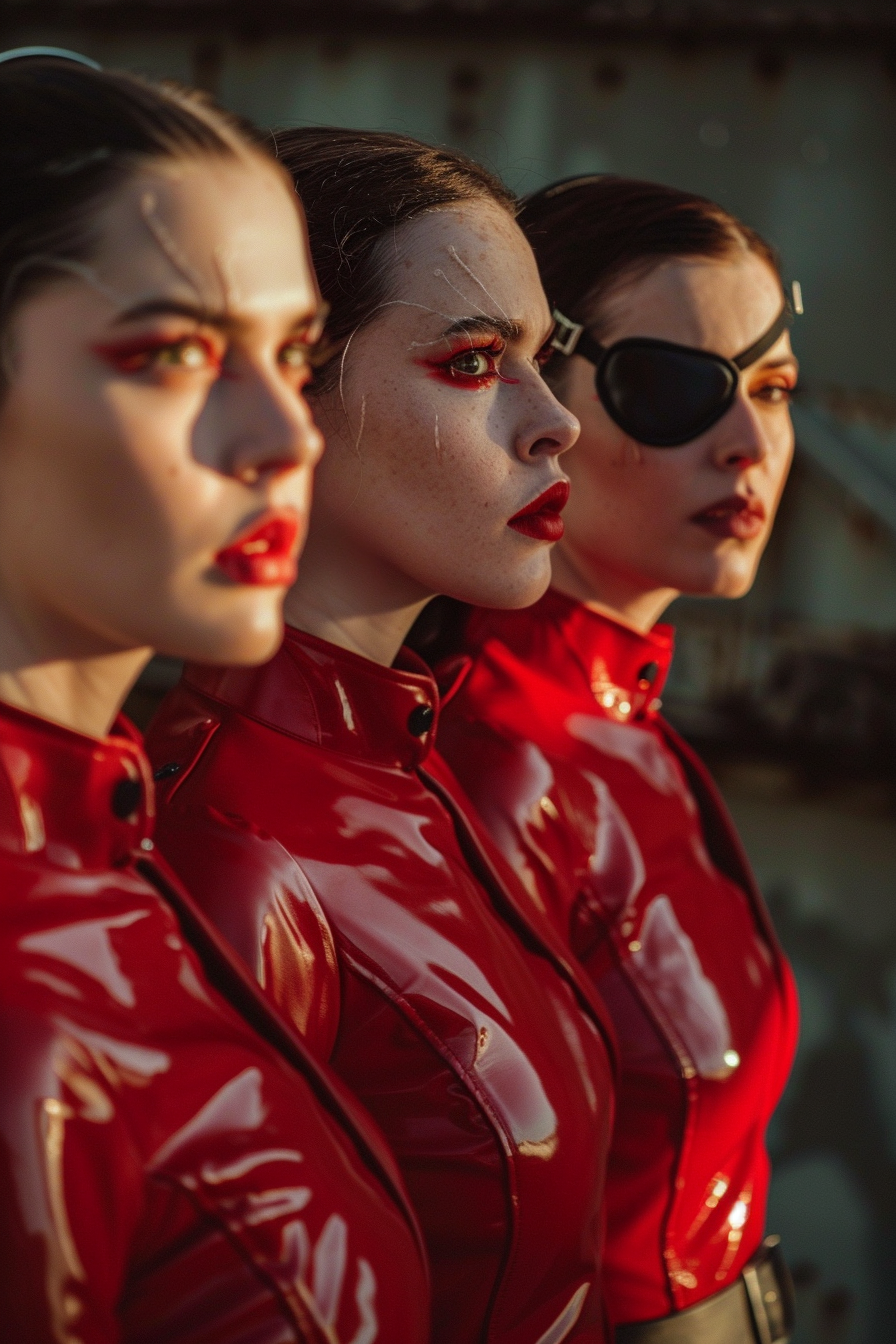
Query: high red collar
[[323, 694], [624, 669], [77, 801]]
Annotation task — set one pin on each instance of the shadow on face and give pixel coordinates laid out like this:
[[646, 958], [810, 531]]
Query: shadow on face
[[441, 428], [153, 428], [694, 518]]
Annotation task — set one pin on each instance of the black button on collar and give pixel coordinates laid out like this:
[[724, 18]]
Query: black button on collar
[[420, 719], [126, 798], [648, 675], [166, 771]]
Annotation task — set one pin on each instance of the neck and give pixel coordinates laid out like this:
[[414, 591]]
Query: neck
[[352, 600], [54, 676], [617, 593]]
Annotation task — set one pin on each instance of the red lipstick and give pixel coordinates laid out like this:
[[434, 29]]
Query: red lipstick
[[541, 519], [736, 516], [265, 553]]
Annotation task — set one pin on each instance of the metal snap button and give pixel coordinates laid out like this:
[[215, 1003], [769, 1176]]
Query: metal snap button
[[647, 676], [420, 720], [166, 771]]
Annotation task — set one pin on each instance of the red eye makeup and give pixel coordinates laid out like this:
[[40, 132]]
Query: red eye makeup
[[139, 354], [469, 366]]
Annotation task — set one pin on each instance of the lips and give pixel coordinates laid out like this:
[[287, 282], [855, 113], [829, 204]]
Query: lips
[[736, 516], [264, 555], [541, 519]]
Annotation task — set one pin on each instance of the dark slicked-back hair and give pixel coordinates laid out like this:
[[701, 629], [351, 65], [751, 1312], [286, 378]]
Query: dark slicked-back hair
[[71, 136], [592, 234], [358, 188]]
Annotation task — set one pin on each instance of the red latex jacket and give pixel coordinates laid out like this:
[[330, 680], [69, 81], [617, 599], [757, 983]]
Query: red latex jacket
[[166, 1176], [617, 828], [305, 806]]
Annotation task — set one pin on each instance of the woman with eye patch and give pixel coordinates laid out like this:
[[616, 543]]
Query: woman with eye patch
[[175, 1168], [672, 349], [305, 804]]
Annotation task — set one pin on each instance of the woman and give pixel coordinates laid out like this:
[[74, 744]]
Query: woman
[[173, 1166], [305, 801], [672, 349]]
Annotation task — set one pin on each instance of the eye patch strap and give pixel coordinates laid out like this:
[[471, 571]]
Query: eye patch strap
[[571, 338], [765, 342]]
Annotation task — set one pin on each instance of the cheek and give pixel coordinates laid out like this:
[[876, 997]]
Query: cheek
[[617, 482], [780, 458], [131, 492], [422, 442], [151, 454]]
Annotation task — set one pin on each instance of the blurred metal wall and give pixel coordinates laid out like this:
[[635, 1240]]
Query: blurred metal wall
[[791, 693]]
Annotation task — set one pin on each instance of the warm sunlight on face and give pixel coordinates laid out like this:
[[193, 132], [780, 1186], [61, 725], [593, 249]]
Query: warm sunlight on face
[[696, 518], [156, 452], [442, 429]]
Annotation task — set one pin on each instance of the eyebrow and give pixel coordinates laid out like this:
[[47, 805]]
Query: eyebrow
[[780, 363], [196, 312], [505, 327]]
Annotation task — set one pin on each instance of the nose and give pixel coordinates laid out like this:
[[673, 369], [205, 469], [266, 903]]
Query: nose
[[269, 425], [547, 428], [739, 439]]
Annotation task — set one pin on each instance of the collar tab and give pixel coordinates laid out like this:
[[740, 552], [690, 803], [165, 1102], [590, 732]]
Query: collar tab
[[626, 668], [324, 694], [82, 802]]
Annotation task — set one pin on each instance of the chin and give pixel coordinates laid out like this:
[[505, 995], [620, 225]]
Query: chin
[[724, 582], [232, 643], [510, 595]]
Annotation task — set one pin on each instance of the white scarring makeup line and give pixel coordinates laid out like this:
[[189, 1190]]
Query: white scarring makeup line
[[221, 262], [452, 252], [357, 446], [391, 303], [473, 303], [167, 245], [415, 345]]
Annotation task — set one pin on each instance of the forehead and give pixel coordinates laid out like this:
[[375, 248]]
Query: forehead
[[467, 259], [227, 227], [722, 305]]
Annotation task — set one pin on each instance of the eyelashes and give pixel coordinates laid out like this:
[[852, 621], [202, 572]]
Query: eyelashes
[[198, 354], [471, 366], [776, 394], [190, 354]]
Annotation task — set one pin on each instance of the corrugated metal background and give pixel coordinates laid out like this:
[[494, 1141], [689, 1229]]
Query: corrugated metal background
[[784, 112]]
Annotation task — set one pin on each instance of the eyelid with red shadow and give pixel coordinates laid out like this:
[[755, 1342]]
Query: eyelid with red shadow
[[781, 379], [441, 368], [136, 354]]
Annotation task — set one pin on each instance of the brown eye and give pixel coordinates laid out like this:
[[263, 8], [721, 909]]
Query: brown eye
[[188, 354], [295, 355], [473, 363], [775, 395]]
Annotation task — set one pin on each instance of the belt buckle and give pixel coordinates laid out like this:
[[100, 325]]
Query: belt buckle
[[770, 1293]]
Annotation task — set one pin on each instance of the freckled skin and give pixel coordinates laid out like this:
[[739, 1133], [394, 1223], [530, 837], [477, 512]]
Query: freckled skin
[[394, 520], [630, 542]]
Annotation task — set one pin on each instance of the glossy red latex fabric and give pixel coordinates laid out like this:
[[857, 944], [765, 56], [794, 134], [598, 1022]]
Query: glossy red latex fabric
[[618, 830], [306, 808], [169, 1173]]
